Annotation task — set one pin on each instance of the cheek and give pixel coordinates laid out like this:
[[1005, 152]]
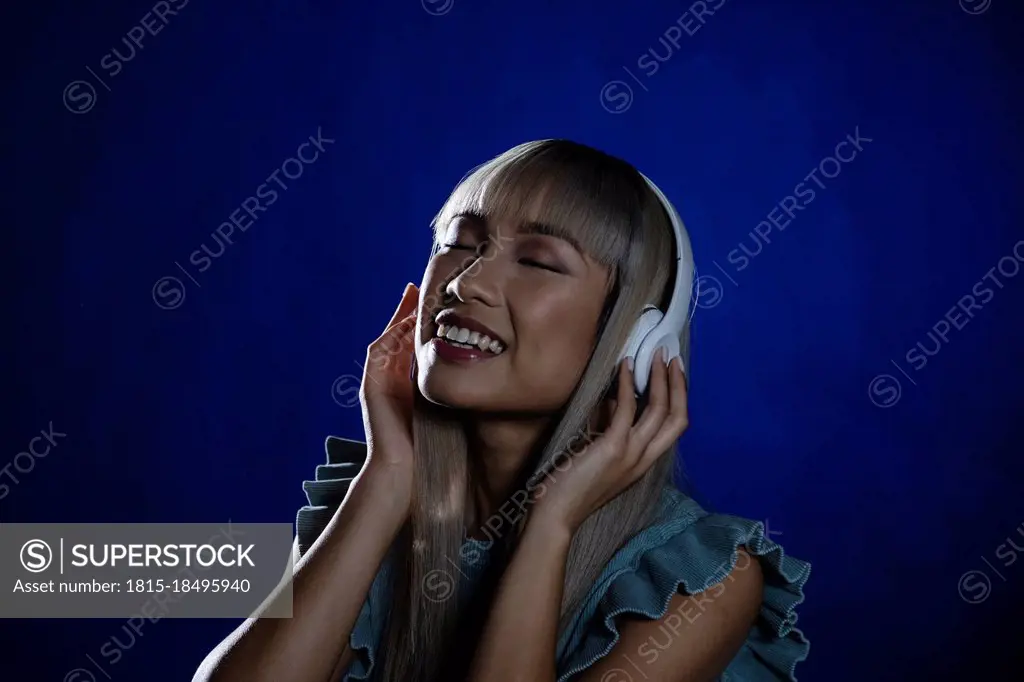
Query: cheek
[[431, 297], [560, 365], [558, 344], [431, 286]]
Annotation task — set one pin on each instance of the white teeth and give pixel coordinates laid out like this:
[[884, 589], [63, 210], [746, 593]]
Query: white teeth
[[467, 339]]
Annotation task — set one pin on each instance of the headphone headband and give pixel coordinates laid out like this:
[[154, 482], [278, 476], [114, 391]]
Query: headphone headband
[[655, 328], [678, 310]]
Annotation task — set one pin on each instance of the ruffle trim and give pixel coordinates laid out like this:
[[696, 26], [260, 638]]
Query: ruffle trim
[[689, 551], [687, 555], [325, 494], [362, 644]]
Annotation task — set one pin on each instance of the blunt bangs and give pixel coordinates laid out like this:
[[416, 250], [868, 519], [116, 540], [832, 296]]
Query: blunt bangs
[[573, 191]]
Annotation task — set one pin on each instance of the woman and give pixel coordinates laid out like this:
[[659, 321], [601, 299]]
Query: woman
[[513, 516]]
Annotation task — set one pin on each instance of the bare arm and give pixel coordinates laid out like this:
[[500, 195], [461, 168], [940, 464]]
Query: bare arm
[[331, 582], [329, 587], [518, 643]]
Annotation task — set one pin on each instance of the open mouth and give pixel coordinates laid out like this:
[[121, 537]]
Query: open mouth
[[461, 337]]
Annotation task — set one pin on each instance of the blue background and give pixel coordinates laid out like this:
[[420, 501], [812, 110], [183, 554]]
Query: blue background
[[217, 409]]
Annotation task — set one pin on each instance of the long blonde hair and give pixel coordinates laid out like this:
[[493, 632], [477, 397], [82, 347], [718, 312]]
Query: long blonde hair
[[608, 208]]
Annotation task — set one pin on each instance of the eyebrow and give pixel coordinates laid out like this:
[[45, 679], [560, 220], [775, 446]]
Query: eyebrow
[[552, 231], [531, 227]]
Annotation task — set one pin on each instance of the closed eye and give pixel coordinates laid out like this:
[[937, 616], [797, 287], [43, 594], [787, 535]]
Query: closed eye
[[460, 247], [537, 264]]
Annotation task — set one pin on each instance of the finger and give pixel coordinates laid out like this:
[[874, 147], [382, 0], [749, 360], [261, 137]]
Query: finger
[[398, 329], [396, 342], [625, 404], [403, 332], [406, 305], [656, 410], [405, 325], [678, 419]]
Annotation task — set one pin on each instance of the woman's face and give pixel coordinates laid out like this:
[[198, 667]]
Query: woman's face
[[525, 304]]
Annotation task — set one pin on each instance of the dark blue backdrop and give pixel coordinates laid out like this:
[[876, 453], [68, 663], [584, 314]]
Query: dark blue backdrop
[[896, 469]]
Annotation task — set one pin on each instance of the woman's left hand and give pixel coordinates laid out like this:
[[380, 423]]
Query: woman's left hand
[[620, 455]]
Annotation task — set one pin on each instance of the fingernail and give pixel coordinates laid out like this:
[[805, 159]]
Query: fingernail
[[629, 363]]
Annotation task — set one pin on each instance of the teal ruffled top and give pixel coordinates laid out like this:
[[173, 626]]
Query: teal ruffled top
[[686, 549]]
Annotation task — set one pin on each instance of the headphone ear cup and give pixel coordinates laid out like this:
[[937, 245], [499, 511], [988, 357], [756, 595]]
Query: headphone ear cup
[[636, 346], [659, 338]]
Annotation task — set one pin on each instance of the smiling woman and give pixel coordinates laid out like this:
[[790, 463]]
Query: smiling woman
[[539, 318]]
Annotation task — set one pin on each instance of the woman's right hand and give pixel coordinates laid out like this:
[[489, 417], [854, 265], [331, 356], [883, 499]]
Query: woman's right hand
[[386, 397]]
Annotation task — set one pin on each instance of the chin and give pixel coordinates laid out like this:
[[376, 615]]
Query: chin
[[460, 388], [444, 395], [457, 387]]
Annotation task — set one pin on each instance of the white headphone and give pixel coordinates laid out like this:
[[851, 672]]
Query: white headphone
[[656, 329]]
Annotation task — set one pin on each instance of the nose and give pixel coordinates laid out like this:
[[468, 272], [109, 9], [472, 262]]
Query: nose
[[479, 279]]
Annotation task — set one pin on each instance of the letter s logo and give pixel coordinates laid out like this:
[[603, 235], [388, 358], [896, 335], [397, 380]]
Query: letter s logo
[[36, 556]]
